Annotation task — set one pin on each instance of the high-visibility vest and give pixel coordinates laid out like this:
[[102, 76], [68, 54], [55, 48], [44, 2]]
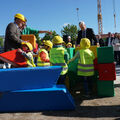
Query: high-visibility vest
[[30, 62], [85, 63], [40, 62], [57, 59]]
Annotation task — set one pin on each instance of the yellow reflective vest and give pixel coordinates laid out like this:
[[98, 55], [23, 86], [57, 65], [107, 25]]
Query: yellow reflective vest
[[40, 62], [31, 61], [85, 63], [57, 59]]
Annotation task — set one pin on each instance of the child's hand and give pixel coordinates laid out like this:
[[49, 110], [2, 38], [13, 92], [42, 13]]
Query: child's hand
[[78, 45], [68, 62], [19, 50]]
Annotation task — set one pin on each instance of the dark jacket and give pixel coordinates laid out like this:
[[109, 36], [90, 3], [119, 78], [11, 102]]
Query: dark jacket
[[106, 43], [12, 37], [89, 34], [101, 42]]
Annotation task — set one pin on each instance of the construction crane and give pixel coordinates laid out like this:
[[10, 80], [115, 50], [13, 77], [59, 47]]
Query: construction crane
[[100, 27]]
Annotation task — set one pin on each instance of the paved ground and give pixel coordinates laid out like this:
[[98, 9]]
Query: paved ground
[[97, 108]]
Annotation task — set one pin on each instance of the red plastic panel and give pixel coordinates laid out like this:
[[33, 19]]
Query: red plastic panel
[[13, 57], [95, 64], [107, 71]]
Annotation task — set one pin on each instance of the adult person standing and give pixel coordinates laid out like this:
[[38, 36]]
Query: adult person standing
[[70, 42], [27, 30], [12, 34], [109, 40], [101, 41], [86, 33], [116, 48], [69, 39]]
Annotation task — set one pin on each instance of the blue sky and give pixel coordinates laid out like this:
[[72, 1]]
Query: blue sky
[[54, 14]]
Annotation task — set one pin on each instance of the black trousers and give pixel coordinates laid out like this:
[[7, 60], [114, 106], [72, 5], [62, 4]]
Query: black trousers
[[117, 57], [87, 84], [61, 80]]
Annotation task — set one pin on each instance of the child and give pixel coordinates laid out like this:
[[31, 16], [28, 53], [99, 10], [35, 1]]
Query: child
[[69, 45], [35, 52], [43, 56], [25, 50], [59, 57], [85, 65]]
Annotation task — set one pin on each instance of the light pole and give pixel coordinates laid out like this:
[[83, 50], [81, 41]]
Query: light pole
[[114, 14], [77, 14]]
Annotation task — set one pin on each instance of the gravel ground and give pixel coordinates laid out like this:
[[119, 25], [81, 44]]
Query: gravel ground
[[106, 108]]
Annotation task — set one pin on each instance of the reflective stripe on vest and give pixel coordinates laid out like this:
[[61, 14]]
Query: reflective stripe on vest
[[61, 64], [42, 63], [83, 70], [87, 65], [58, 64], [65, 68], [57, 58]]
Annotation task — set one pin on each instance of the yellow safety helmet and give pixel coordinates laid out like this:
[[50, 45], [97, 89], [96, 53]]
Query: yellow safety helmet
[[28, 44], [85, 43], [20, 16], [48, 43], [43, 41], [69, 44], [57, 40]]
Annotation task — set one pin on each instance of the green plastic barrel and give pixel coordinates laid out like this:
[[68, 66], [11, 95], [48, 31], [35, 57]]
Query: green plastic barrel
[[105, 88], [95, 79], [105, 55], [72, 73]]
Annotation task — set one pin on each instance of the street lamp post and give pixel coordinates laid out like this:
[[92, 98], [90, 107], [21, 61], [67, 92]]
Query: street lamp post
[[77, 14]]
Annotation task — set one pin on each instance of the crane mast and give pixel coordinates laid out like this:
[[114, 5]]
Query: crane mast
[[100, 27]]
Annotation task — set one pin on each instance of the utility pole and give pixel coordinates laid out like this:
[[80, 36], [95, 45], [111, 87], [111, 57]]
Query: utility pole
[[100, 27]]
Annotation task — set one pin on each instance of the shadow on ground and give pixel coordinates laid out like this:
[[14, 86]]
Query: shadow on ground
[[88, 111]]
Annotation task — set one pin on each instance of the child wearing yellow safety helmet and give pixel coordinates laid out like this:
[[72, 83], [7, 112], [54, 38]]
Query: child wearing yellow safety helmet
[[25, 50], [85, 67], [43, 55], [69, 45], [59, 57]]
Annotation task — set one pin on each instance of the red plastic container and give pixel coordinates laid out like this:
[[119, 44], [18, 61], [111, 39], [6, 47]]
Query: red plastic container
[[14, 58], [95, 64], [107, 71]]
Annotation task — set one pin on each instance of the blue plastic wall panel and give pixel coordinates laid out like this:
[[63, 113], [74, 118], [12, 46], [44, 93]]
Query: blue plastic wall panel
[[56, 98], [28, 78]]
